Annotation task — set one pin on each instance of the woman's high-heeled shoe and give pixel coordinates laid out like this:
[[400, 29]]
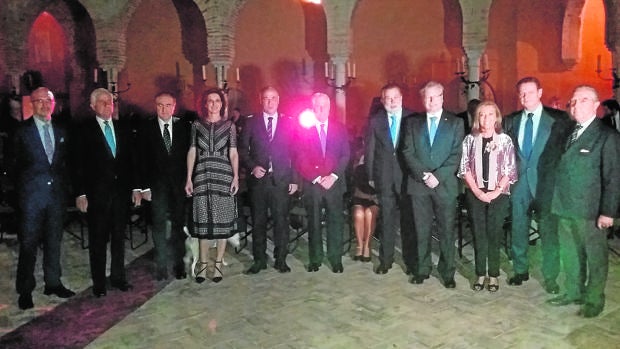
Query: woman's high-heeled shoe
[[479, 284], [217, 270], [493, 285], [358, 256], [364, 258], [203, 270]]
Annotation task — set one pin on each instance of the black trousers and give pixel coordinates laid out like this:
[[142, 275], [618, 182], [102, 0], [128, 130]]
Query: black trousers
[[265, 196], [439, 206], [487, 227], [168, 204], [41, 221], [395, 212], [106, 223], [315, 199]]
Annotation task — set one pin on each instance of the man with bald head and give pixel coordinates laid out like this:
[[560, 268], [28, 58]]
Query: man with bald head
[[323, 158], [40, 171], [266, 151]]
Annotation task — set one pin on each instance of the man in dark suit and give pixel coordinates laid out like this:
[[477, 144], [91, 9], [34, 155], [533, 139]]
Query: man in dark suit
[[385, 173], [432, 152], [163, 146], [104, 177], [537, 133], [468, 115], [40, 168], [266, 151], [586, 196], [323, 158]]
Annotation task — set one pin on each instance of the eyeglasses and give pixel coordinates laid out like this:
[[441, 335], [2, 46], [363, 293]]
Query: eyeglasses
[[159, 105], [433, 98], [43, 101]]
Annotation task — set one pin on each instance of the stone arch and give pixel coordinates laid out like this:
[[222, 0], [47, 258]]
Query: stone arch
[[571, 32]]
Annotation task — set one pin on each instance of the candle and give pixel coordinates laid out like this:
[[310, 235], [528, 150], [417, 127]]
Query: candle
[[354, 75], [238, 79], [95, 72], [348, 69], [598, 63], [463, 63], [326, 69], [485, 61], [303, 67], [204, 72]]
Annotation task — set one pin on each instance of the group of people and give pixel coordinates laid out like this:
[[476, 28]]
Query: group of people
[[537, 163]]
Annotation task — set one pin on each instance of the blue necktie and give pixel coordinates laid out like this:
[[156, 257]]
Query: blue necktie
[[393, 129], [47, 143], [107, 131], [433, 129], [527, 136]]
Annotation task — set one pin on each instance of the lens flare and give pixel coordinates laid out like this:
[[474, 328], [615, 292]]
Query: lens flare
[[307, 118]]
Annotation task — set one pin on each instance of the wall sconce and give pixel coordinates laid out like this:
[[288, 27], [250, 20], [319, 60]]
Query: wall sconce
[[330, 75], [462, 73], [615, 79]]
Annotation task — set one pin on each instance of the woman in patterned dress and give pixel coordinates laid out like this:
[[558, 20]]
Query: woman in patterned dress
[[212, 179]]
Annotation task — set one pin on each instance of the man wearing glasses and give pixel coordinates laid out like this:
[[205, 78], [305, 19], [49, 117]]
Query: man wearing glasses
[[163, 145], [40, 170], [432, 152]]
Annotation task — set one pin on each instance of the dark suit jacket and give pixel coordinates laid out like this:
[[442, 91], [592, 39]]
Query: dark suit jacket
[[383, 162], [35, 179], [442, 159], [256, 150], [536, 174], [99, 174], [310, 161], [587, 183], [158, 169]]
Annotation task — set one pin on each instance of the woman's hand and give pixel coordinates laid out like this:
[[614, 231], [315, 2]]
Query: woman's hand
[[234, 185], [189, 187]]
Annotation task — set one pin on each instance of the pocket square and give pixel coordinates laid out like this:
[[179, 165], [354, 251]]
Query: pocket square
[[62, 140], [584, 150]]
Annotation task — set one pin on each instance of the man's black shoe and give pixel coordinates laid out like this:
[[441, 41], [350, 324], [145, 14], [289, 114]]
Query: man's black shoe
[[256, 268], [61, 291], [123, 286], [281, 267], [418, 279], [383, 269], [337, 268], [518, 279], [450, 283], [313, 267]]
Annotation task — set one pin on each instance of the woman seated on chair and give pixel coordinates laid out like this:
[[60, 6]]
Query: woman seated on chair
[[364, 208], [488, 168]]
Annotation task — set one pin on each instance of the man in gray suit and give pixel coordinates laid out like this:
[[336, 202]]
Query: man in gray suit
[[538, 134], [432, 152], [585, 199]]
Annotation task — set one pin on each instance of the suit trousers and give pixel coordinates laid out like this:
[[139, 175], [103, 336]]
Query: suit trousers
[[584, 253], [315, 199], [41, 221], [106, 223], [394, 209], [487, 227], [550, 245], [265, 196], [438, 206], [522, 202], [168, 204]]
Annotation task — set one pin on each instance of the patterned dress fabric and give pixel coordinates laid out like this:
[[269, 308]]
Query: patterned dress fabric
[[215, 208]]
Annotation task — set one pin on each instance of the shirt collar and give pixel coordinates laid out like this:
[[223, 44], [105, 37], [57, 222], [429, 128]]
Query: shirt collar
[[437, 114], [537, 112]]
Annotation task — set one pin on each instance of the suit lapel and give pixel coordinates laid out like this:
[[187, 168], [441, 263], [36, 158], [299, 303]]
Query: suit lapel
[[544, 130], [516, 123], [383, 130], [34, 134]]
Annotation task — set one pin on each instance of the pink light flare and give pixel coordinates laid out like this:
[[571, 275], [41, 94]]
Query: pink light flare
[[307, 118]]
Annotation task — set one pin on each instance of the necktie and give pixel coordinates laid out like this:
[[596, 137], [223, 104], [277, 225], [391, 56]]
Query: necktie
[[270, 128], [323, 136], [433, 129], [107, 131], [527, 136], [167, 140], [393, 129], [47, 142], [573, 136]]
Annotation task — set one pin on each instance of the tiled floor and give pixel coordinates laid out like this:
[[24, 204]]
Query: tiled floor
[[356, 309]]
